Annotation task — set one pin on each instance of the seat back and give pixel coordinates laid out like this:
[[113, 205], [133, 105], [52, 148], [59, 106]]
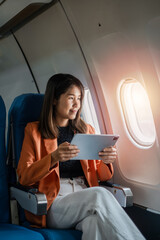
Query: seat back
[[25, 108], [4, 199]]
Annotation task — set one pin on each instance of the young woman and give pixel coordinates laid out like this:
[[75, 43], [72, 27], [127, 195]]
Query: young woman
[[74, 197]]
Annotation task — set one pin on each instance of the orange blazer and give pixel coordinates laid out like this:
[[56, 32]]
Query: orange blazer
[[34, 168]]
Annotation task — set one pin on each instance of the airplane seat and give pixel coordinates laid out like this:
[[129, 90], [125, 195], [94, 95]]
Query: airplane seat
[[9, 231], [26, 108]]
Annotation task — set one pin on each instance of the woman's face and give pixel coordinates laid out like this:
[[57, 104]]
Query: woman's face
[[68, 105]]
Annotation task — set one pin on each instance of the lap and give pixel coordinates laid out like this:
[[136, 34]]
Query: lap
[[66, 211]]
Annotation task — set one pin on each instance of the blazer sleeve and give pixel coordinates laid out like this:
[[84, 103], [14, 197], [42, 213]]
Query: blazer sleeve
[[104, 171], [31, 167]]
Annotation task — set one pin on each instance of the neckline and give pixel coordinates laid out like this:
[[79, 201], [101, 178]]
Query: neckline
[[59, 127]]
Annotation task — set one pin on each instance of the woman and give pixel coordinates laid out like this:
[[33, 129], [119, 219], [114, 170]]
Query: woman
[[71, 187]]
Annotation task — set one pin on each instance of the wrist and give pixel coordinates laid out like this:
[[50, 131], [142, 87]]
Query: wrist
[[53, 159]]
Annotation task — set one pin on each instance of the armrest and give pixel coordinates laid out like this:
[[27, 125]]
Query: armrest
[[31, 200], [123, 194]]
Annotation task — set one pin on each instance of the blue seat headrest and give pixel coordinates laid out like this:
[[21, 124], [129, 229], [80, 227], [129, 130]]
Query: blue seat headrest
[[26, 108]]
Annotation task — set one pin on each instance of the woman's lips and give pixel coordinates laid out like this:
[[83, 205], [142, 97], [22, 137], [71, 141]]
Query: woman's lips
[[73, 111]]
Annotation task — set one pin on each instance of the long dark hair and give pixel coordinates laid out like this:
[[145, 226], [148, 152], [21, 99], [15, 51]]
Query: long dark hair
[[57, 85]]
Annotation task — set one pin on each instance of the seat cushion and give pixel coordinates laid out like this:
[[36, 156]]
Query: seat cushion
[[15, 232], [57, 234]]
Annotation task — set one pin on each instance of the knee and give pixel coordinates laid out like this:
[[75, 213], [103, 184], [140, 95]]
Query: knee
[[101, 195], [102, 200]]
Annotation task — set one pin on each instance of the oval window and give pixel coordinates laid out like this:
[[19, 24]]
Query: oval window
[[137, 112]]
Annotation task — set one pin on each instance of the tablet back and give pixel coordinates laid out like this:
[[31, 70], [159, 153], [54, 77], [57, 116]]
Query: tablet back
[[91, 144]]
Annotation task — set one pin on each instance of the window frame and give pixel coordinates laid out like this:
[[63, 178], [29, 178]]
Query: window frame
[[126, 118]]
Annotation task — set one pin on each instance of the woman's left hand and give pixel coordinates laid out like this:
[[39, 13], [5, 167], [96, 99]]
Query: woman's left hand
[[108, 155]]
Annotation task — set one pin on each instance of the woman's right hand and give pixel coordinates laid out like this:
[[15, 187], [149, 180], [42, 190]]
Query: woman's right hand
[[64, 152]]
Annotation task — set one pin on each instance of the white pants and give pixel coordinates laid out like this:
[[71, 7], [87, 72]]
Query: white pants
[[94, 211]]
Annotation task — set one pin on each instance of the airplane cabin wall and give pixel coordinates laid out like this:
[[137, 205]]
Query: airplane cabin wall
[[15, 77], [120, 41]]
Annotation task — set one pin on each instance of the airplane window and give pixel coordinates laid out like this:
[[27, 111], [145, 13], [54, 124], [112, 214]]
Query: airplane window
[[88, 111], [137, 113]]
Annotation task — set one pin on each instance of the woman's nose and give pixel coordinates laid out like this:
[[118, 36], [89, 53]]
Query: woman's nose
[[75, 102]]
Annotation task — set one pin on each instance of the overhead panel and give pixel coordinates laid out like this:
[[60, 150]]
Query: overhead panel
[[14, 12]]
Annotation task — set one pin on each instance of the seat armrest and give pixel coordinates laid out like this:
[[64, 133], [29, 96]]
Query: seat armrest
[[31, 200], [123, 194]]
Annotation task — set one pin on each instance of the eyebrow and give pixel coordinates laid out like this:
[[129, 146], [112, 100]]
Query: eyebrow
[[71, 94]]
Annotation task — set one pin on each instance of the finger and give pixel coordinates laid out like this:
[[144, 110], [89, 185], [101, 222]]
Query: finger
[[65, 144], [107, 154], [67, 157], [70, 152], [108, 157], [108, 161], [69, 147], [109, 149]]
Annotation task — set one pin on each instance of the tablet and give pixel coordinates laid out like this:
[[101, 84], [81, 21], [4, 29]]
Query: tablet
[[91, 144]]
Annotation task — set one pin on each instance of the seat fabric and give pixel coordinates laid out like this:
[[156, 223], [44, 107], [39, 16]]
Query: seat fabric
[[7, 230], [57, 234], [26, 108], [15, 232]]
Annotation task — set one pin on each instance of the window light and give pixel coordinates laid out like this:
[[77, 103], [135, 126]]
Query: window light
[[88, 111], [137, 112]]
